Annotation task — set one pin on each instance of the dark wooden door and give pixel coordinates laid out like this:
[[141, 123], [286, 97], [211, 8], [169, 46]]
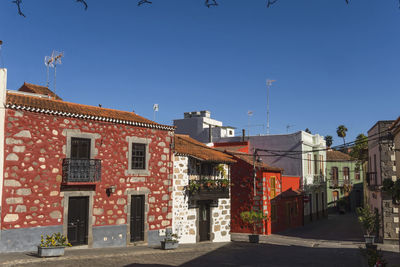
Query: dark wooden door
[[204, 221], [137, 218], [316, 205], [78, 214]]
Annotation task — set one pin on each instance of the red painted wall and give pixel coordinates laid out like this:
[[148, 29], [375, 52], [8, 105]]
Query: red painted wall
[[290, 182], [243, 199], [34, 149], [236, 146], [284, 221]]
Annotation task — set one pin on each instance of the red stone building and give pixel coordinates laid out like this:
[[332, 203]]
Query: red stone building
[[267, 191], [102, 177]]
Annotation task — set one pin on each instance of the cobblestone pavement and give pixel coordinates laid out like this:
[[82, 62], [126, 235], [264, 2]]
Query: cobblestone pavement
[[331, 242], [227, 254]]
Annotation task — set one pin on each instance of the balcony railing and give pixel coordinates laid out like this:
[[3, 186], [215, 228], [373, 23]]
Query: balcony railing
[[337, 183], [318, 179], [81, 170], [372, 179], [208, 189]]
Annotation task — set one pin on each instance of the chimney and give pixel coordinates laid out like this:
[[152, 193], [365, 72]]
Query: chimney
[[243, 134]]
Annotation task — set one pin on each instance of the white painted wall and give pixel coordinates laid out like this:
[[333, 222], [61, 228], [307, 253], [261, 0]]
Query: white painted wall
[[184, 220]]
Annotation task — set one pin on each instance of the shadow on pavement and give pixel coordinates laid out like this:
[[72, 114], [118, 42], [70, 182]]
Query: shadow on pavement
[[337, 227], [246, 254], [143, 265]]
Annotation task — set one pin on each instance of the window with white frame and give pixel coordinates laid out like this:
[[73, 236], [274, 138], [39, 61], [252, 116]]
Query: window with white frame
[[138, 156]]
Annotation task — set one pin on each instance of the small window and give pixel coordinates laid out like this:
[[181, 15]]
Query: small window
[[138, 156], [346, 173], [273, 212], [80, 148], [273, 187], [357, 176]]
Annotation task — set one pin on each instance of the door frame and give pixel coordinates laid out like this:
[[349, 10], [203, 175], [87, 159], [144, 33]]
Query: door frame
[[198, 221], [67, 195], [129, 193]]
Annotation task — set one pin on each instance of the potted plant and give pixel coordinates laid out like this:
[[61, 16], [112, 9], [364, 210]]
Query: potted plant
[[221, 170], [53, 245], [171, 241], [209, 184], [368, 219], [254, 218], [194, 187], [224, 183]]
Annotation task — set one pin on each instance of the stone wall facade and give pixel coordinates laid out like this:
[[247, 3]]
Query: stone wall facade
[[185, 219], [33, 193], [382, 161]]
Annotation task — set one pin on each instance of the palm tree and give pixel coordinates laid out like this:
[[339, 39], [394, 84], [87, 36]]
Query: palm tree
[[341, 132], [328, 140]]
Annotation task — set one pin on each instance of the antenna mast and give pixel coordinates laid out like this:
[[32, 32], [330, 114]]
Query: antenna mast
[[51, 62], [269, 83], [155, 109]]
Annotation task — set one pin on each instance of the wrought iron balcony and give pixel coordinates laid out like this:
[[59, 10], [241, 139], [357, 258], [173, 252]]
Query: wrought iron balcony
[[318, 179], [81, 170], [372, 179], [208, 189], [338, 183]]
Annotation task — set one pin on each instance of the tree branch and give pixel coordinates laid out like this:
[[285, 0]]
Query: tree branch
[[84, 3], [141, 2], [209, 3], [18, 3]]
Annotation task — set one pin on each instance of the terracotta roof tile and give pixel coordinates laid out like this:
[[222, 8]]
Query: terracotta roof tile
[[248, 158], [334, 155], [39, 104], [38, 89], [188, 146]]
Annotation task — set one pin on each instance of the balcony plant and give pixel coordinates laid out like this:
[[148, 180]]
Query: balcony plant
[[171, 241], [368, 220], [209, 184], [193, 187], [224, 183], [53, 245], [254, 218], [220, 168]]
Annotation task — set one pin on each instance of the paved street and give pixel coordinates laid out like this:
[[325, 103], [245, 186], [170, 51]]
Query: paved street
[[330, 242]]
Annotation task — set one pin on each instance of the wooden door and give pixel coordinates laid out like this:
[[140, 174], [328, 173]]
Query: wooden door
[[316, 205], [204, 221], [137, 218], [78, 214]]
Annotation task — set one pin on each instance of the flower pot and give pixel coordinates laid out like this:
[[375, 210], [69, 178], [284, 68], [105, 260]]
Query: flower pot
[[50, 251], [254, 238], [369, 239], [167, 245]]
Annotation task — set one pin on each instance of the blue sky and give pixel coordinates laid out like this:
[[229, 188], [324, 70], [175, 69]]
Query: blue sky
[[333, 63]]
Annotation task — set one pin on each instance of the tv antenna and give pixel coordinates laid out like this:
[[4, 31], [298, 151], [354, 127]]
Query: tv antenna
[[52, 62], [249, 114], [155, 109], [269, 83]]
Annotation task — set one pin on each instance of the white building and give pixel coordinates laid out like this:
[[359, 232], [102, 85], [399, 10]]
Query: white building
[[298, 154], [200, 192], [197, 124]]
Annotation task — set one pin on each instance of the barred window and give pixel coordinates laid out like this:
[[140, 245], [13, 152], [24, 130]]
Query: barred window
[[138, 156]]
